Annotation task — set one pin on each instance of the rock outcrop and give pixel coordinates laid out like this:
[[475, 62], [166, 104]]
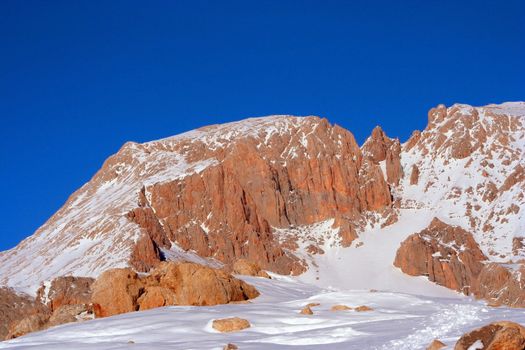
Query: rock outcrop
[[122, 290], [436, 345], [67, 290], [495, 336], [14, 307], [448, 255], [248, 268], [379, 148], [116, 292], [502, 284]]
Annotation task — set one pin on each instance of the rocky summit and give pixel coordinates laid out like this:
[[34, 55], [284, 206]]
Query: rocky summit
[[284, 195]]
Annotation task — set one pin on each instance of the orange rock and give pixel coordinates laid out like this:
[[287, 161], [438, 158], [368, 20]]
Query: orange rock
[[340, 308], [306, 311], [116, 291], [233, 324], [199, 285], [66, 290], [248, 268], [28, 324], [436, 345], [15, 307], [495, 336], [230, 346], [312, 304], [156, 296], [414, 176], [363, 308], [436, 252]]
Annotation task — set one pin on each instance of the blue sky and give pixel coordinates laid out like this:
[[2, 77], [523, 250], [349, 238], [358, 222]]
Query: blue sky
[[80, 78]]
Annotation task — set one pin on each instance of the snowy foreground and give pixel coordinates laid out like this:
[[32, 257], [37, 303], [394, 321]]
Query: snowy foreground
[[398, 321]]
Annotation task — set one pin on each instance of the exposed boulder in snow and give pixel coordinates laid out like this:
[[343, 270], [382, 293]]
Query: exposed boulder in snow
[[198, 285], [248, 268], [116, 291], [340, 308], [122, 290], [436, 345], [448, 255], [156, 296], [306, 311], [363, 308], [233, 324], [494, 336]]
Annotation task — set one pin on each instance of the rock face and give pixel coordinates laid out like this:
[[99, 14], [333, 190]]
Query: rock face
[[14, 307], [280, 191], [379, 148], [116, 291], [67, 290], [248, 268], [448, 255], [218, 194], [502, 284], [122, 290], [494, 336]]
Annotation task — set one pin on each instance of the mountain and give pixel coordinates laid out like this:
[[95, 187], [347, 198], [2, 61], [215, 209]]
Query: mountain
[[299, 196]]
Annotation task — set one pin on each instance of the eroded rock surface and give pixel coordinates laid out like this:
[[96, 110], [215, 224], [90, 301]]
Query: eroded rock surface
[[495, 336]]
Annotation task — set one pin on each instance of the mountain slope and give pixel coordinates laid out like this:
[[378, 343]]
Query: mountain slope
[[290, 193]]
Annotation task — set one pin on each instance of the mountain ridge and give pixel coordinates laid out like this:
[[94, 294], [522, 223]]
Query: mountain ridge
[[85, 237]]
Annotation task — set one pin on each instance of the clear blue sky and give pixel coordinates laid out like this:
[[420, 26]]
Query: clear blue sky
[[79, 78]]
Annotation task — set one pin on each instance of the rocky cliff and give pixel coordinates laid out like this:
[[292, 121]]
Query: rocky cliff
[[279, 191]]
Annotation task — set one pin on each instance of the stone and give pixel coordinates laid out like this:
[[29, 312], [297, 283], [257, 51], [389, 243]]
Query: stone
[[436, 252], [199, 285], [230, 346], [232, 324], [340, 308], [116, 291], [66, 290], [248, 268], [363, 308], [494, 336], [436, 345], [32, 323], [156, 296], [14, 307], [306, 311]]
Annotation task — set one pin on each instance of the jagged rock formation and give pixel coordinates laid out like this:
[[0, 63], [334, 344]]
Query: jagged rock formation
[[119, 291], [212, 196], [279, 191], [14, 307], [448, 255]]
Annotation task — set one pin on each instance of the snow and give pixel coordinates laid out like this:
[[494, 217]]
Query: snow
[[368, 265], [398, 321], [478, 345]]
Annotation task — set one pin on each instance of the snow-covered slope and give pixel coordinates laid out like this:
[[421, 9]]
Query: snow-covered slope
[[398, 321], [91, 232]]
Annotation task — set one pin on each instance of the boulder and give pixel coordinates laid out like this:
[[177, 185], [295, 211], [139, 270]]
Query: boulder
[[248, 268], [306, 311], [14, 307], [363, 308], [340, 308], [436, 345], [447, 255], [494, 336], [116, 291], [66, 290], [156, 296], [233, 324], [199, 285], [32, 323]]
